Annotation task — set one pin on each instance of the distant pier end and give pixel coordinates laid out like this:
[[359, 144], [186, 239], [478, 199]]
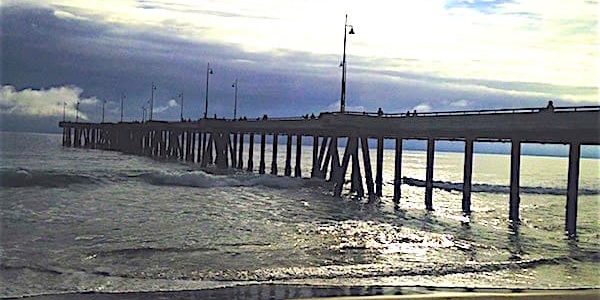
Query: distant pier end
[[220, 142]]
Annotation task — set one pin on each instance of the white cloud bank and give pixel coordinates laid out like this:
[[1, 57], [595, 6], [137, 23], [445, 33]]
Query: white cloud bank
[[44, 102]]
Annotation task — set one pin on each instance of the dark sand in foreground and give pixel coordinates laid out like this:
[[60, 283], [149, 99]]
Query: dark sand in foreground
[[283, 291]]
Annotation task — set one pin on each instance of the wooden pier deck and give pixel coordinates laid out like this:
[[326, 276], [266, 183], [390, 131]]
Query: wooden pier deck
[[221, 142]]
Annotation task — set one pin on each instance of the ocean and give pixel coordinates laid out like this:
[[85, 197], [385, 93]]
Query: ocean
[[81, 220]]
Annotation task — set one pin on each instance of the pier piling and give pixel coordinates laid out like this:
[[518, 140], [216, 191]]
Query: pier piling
[[298, 167], [429, 175], [398, 170], [274, 153], [572, 187], [379, 175], [251, 153], [288, 156], [468, 170], [515, 166]]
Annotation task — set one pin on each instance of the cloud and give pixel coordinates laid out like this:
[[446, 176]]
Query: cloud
[[335, 106], [170, 104], [460, 103], [44, 102], [423, 107]]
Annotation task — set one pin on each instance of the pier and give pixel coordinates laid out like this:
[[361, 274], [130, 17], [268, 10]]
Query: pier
[[220, 142]]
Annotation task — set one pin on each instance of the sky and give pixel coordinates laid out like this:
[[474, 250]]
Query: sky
[[429, 55]]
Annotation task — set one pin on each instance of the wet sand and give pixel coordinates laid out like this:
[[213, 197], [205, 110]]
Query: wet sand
[[283, 291]]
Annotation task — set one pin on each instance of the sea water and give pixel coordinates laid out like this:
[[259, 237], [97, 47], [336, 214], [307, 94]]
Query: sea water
[[77, 220]]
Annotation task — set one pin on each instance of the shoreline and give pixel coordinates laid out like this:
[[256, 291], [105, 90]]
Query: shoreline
[[305, 291]]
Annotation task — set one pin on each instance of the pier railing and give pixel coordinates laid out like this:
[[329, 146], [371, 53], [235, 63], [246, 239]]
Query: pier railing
[[557, 109]]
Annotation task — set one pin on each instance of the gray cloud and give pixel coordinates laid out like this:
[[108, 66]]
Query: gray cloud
[[40, 50]]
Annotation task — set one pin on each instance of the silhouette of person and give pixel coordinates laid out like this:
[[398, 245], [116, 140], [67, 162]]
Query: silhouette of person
[[380, 112], [550, 106]]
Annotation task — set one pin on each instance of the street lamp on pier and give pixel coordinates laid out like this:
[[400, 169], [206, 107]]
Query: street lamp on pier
[[152, 100], [209, 71], [181, 114], [235, 85], [122, 99], [103, 104], [77, 112], [343, 65]]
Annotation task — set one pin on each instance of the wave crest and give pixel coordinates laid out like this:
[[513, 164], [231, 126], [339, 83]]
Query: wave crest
[[205, 180], [494, 188], [28, 178]]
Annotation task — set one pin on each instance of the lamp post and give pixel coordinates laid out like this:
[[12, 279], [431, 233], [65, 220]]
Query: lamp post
[[235, 85], [122, 99], [181, 114], [343, 65], [152, 100], [64, 107], [103, 104], [143, 114], [208, 72], [77, 112]]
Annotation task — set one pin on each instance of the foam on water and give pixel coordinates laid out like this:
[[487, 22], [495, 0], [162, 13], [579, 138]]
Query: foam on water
[[202, 179], [495, 188]]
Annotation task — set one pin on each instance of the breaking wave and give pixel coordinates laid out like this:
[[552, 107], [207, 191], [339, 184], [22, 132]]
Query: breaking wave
[[27, 178], [496, 189], [318, 272], [205, 180]]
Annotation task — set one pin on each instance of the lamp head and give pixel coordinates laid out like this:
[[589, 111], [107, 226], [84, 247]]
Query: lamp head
[[351, 30], [210, 71]]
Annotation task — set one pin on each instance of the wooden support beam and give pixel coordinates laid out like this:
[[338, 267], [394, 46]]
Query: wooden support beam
[[251, 152], [155, 142], [572, 189], [93, 140], [322, 151], [164, 143], [429, 175], [232, 154], [274, 157], [288, 156], [203, 147], [357, 181], [234, 151], [207, 151], [261, 168], [341, 173], [209, 148], [315, 157], [515, 171], [467, 174], [298, 167], [368, 171], [194, 151], [335, 158], [379, 175], [220, 150], [240, 160], [398, 170], [188, 146]]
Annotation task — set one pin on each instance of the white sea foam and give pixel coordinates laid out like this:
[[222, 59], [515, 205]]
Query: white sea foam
[[497, 189], [205, 180]]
